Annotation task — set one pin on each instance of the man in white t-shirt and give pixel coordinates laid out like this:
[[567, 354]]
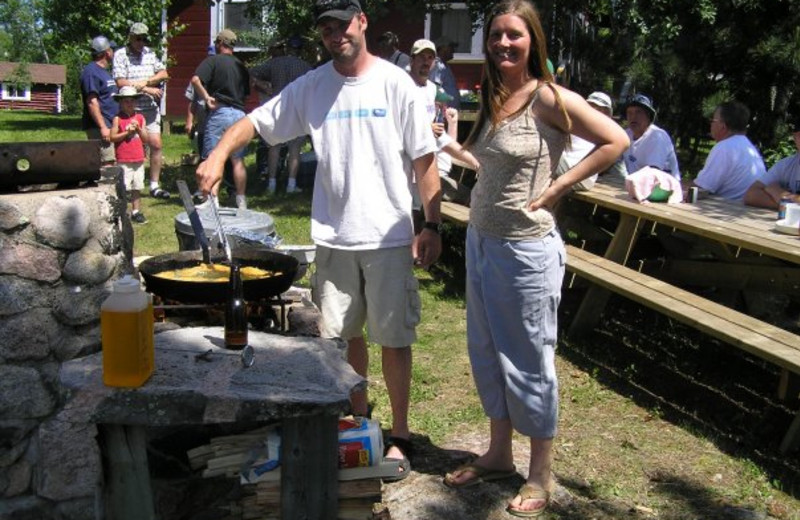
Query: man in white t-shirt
[[444, 123], [781, 181], [650, 144], [371, 132], [137, 65], [579, 148], [734, 162]]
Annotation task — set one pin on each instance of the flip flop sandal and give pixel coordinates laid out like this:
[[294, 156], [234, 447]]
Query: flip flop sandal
[[528, 492], [404, 445], [481, 474]]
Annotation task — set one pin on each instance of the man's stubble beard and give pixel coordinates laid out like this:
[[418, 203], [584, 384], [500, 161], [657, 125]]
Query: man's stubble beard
[[354, 48]]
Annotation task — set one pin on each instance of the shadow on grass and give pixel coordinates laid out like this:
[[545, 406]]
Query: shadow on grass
[[574, 499], [710, 388], [451, 269]]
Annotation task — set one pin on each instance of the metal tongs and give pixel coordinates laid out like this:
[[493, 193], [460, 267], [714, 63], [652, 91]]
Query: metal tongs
[[194, 220], [223, 239]]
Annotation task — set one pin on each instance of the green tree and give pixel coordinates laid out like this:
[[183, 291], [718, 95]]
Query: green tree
[[76, 25], [21, 38], [688, 55]]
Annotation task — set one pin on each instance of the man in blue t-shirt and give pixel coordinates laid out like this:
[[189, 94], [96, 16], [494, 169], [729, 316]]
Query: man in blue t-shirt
[[780, 182], [97, 89]]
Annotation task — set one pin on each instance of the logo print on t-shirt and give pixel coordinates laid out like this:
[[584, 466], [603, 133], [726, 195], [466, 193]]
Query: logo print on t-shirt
[[379, 112]]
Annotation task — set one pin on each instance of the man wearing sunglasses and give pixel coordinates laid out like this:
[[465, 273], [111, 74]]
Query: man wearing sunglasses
[[371, 133], [137, 65]]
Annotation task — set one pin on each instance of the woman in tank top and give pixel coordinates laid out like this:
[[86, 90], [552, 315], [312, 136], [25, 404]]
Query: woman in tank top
[[515, 256]]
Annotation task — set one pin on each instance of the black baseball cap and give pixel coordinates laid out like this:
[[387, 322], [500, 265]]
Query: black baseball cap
[[340, 9]]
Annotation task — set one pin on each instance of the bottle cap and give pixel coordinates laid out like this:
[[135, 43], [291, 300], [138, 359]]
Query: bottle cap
[[126, 284]]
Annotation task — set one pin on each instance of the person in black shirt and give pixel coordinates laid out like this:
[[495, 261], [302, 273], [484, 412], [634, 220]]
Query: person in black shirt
[[223, 83]]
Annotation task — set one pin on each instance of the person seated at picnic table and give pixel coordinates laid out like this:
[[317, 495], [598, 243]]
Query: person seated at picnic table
[[578, 148], [651, 145], [734, 162], [781, 181]]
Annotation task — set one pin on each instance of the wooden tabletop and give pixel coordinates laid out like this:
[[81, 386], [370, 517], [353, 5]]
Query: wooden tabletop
[[713, 218]]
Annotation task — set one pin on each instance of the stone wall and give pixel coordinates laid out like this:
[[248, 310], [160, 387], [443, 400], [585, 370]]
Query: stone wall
[[59, 252]]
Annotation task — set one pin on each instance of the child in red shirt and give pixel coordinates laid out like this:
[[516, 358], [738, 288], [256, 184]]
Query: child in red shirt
[[129, 135]]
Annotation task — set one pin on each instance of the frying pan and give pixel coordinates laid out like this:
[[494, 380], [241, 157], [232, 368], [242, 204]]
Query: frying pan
[[217, 292]]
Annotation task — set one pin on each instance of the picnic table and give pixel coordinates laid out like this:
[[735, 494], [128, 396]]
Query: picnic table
[[720, 244], [746, 251], [712, 243]]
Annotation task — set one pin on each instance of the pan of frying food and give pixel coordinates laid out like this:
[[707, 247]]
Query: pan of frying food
[[184, 276]]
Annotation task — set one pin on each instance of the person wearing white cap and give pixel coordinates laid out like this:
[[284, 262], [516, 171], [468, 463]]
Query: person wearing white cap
[[129, 135], [444, 121], [138, 66], [578, 148], [371, 133], [97, 89]]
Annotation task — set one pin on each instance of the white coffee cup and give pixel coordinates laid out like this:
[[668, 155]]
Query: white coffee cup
[[792, 214]]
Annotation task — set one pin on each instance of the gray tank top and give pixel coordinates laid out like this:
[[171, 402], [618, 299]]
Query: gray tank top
[[517, 159]]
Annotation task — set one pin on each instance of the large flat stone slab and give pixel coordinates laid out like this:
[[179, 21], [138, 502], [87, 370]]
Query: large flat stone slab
[[291, 377]]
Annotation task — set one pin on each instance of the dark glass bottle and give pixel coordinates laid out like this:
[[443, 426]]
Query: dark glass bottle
[[235, 312]]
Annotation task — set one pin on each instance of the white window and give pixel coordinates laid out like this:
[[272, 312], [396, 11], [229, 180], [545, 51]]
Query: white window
[[12, 93], [236, 17], [232, 14], [452, 20]]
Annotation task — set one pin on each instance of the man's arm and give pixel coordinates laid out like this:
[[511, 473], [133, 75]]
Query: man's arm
[[766, 196], [427, 245], [93, 103], [201, 92], [149, 85], [190, 119], [209, 172]]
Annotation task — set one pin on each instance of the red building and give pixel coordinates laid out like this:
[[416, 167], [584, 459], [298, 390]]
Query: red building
[[43, 93], [204, 19]]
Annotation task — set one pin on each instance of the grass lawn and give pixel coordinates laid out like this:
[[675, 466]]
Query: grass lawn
[[657, 421]]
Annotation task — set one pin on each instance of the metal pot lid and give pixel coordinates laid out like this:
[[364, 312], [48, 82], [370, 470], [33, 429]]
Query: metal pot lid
[[232, 218]]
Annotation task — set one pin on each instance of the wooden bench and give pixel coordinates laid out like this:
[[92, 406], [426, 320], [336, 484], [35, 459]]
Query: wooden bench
[[456, 213], [761, 339], [776, 345]]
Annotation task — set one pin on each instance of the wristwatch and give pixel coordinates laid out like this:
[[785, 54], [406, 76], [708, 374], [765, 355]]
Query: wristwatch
[[433, 226]]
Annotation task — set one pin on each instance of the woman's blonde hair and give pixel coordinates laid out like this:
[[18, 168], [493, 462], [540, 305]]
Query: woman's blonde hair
[[493, 92]]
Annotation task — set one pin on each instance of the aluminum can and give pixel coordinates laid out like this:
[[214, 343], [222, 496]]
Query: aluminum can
[[693, 192], [782, 207]]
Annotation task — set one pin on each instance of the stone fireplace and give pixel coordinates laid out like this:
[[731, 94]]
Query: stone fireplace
[[59, 252]]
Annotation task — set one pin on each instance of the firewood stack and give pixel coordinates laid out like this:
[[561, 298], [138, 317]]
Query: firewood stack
[[226, 456]]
